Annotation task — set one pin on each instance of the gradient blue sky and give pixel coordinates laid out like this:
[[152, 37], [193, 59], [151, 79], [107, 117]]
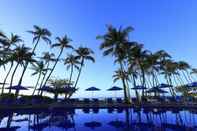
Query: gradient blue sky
[[159, 24]]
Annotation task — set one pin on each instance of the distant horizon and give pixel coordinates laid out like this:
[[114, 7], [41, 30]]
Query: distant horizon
[[168, 25]]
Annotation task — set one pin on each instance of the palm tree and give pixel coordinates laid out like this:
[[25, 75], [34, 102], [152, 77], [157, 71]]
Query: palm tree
[[168, 69], [20, 56], [13, 40], [71, 62], [184, 66], [47, 58], [83, 54], [62, 43], [114, 43], [38, 33], [39, 68]]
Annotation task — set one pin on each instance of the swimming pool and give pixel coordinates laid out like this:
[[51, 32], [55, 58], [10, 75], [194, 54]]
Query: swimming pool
[[135, 119]]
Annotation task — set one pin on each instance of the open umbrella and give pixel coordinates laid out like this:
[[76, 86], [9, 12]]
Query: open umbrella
[[92, 89], [115, 88], [17, 87]]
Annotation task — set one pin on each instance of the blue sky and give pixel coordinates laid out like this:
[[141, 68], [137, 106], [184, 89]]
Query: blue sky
[[159, 24]]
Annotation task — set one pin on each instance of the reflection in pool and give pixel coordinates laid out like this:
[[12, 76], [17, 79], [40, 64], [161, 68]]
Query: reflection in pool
[[98, 119]]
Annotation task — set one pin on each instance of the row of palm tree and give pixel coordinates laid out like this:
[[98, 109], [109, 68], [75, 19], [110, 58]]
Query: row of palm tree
[[138, 66], [15, 54]]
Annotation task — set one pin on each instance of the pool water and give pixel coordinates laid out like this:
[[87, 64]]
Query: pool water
[[99, 120]]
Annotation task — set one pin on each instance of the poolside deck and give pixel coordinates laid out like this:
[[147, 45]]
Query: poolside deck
[[62, 105]]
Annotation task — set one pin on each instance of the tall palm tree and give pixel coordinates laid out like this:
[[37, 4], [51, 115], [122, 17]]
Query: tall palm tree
[[62, 43], [13, 40], [184, 66], [83, 54], [114, 42], [38, 33], [38, 68], [71, 62], [47, 58], [168, 69], [20, 56]]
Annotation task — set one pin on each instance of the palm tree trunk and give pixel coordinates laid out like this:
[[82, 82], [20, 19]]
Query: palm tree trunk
[[3, 86], [37, 83], [71, 74], [24, 69], [185, 76], [136, 92], [48, 77], [82, 62], [36, 45], [126, 93], [26, 64], [173, 91], [12, 77], [70, 79], [45, 74], [188, 75]]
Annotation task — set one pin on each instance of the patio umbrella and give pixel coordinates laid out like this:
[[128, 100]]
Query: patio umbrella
[[162, 85], [92, 89], [115, 88], [17, 87], [93, 124]]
